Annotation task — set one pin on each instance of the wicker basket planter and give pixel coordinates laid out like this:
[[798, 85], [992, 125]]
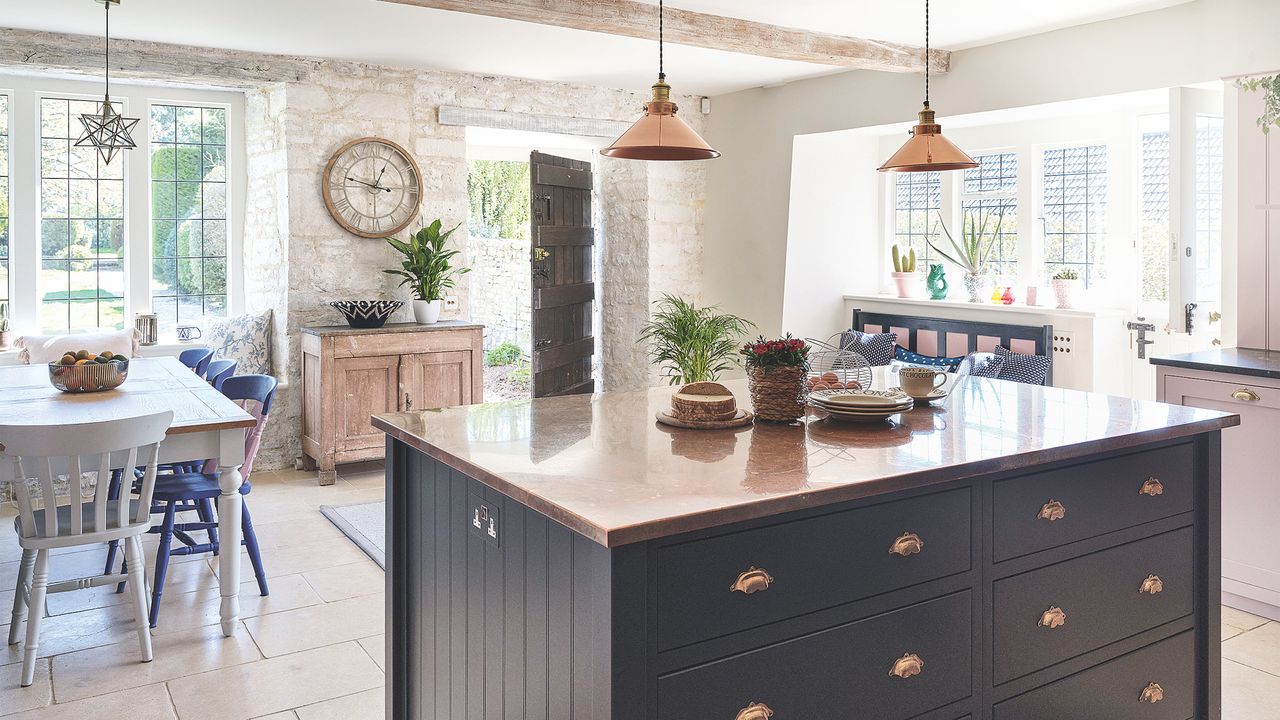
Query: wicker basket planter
[[777, 393]]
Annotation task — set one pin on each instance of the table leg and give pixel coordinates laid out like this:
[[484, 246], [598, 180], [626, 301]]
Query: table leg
[[229, 508]]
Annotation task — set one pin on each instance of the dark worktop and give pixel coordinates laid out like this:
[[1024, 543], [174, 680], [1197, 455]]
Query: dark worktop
[[1236, 361]]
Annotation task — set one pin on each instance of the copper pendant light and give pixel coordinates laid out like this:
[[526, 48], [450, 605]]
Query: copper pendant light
[[660, 135], [927, 150]]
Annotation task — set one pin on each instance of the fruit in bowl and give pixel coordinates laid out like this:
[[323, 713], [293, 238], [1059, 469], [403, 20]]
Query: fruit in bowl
[[84, 371]]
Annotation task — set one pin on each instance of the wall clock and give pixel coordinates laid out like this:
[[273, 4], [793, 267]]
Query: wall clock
[[372, 187]]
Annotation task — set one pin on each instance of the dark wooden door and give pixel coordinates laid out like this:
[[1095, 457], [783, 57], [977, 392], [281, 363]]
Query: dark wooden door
[[561, 272]]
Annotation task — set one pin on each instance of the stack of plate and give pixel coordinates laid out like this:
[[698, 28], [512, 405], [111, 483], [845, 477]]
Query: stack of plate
[[861, 405]]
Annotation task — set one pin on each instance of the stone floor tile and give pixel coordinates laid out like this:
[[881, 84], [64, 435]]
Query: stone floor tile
[[367, 705], [1258, 648], [317, 625], [15, 698], [144, 703], [347, 581], [1241, 619], [1249, 693], [376, 646]]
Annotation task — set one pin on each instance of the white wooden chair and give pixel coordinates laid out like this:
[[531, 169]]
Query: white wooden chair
[[42, 453]]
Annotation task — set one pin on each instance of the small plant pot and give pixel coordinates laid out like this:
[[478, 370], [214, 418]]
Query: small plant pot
[[777, 393], [976, 287], [1066, 291], [427, 312], [5, 339], [908, 284]]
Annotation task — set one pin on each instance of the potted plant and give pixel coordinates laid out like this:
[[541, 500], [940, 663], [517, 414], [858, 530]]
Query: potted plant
[[4, 325], [427, 269], [1269, 85], [776, 370], [692, 344], [904, 273], [972, 250], [1066, 284]]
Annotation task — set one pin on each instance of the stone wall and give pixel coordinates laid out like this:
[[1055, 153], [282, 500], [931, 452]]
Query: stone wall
[[298, 111], [500, 295]]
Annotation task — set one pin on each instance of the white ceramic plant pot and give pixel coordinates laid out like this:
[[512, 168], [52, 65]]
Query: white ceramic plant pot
[[1065, 290], [427, 312], [909, 285]]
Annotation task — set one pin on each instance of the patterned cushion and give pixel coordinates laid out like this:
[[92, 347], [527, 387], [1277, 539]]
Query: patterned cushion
[[245, 339], [982, 364], [1030, 369], [947, 363], [876, 348]]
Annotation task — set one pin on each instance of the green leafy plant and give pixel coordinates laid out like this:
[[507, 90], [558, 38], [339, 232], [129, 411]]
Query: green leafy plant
[[768, 354], [904, 264], [521, 375], [692, 344], [1066, 275], [1270, 87], [505, 354], [428, 267], [975, 242]]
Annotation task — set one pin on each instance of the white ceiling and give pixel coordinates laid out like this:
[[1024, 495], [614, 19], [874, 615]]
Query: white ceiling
[[379, 32]]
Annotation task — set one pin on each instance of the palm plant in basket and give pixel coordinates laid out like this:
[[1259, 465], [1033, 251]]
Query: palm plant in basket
[[970, 253], [692, 344], [427, 269]]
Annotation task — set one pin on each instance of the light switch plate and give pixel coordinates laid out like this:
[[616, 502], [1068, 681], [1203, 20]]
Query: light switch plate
[[451, 302]]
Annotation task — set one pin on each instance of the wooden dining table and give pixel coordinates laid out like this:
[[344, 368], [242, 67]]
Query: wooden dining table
[[205, 425]]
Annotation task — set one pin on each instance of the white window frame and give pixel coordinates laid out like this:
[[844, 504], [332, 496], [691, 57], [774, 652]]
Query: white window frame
[[24, 172]]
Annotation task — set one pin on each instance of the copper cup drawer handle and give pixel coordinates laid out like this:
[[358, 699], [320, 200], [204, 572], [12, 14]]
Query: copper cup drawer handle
[[908, 544], [1052, 510], [754, 580], [1152, 486], [908, 665], [755, 711], [1152, 693], [1053, 618], [1153, 585], [1245, 395]]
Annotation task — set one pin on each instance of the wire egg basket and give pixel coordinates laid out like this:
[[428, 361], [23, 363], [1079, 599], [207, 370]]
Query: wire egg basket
[[831, 362]]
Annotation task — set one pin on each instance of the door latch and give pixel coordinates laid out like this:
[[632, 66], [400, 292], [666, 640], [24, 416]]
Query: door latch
[[1190, 311], [1142, 328], [540, 254]]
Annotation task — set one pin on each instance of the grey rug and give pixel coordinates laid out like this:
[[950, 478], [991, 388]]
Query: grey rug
[[365, 524]]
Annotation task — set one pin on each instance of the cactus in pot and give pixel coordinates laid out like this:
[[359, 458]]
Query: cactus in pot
[[4, 325], [1066, 284], [904, 273]]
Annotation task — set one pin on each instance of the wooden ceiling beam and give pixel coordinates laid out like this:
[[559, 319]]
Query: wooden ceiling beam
[[631, 18]]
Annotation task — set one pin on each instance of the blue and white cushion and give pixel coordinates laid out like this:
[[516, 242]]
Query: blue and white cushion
[[877, 348], [1030, 369], [912, 358], [244, 338], [982, 364]]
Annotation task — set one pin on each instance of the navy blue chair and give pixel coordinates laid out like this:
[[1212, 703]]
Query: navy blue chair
[[182, 491], [197, 359], [219, 370]]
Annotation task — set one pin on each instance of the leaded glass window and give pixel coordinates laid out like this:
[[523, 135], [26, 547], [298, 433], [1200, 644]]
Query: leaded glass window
[[1075, 208]]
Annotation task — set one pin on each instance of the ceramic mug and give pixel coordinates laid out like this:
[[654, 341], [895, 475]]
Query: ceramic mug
[[921, 381], [187, 333]]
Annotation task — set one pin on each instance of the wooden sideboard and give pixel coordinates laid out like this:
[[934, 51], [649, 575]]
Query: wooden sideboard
[[350, 374]]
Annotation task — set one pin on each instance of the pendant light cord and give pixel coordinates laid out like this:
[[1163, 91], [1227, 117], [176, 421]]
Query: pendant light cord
[[106, 9], [661, 75], [926, 53]]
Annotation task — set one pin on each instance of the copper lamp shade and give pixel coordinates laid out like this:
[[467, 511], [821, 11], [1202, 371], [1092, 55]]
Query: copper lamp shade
[[928, 150], [660, 135]]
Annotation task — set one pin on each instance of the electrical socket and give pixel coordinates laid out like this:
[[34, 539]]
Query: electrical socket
[[450, 302], [483, 520]]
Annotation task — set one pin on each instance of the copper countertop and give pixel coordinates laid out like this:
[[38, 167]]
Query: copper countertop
[[602, 466]]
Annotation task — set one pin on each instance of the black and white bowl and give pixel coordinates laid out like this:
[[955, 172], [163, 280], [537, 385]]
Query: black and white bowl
[[366, 313]]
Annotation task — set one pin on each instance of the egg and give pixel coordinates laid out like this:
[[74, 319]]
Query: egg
[[853, 385], [830, 377], [821, 386]]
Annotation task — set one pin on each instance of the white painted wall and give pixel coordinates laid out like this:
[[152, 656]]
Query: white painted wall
[[749, 188]]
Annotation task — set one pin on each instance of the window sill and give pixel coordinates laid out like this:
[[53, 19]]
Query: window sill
[[988, 307]]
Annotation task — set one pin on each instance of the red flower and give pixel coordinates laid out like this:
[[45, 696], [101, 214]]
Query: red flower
[[760, 350]]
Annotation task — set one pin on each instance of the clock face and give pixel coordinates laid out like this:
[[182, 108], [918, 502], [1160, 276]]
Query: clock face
[[372, 187]]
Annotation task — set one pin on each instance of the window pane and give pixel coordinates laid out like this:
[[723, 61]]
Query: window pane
[[4, 204], [1154, 209], [188, 202], [81, 282], [990, 205], [919, 198], [1075, 204], [1208, 208]]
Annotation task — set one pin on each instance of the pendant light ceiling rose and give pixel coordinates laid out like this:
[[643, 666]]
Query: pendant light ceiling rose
[[107, 130], [660, 134]]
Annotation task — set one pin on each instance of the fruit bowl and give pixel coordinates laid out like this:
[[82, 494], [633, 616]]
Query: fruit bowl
[[89, 377], [366, 313]]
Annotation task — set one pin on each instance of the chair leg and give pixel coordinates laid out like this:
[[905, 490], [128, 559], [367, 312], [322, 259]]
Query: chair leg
[[111, 556], [39, 583], [205, 511], [20, 594], [138, 585], [162, 561], [251, 544]]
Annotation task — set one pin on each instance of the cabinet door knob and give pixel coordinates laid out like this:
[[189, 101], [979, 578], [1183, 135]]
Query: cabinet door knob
[[907, 666], [755, 711], [1052, 510], [1152, 486], [1053, 618], [1152, 693], [1153, 585], [1246, 395], [908, 544], [754, 580]]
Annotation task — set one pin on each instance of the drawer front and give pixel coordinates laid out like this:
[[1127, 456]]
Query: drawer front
[[1044, 510], [730, 583], [1103, 597], [847, 671], [1118, 690]]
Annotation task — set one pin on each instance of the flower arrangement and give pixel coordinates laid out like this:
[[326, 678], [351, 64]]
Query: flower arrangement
[[769, 354]]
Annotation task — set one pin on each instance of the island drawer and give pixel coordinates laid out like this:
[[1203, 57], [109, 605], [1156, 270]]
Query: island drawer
[[1057, 612], [889, 667], [728, 583], [1036, 512], [1157, 682]]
